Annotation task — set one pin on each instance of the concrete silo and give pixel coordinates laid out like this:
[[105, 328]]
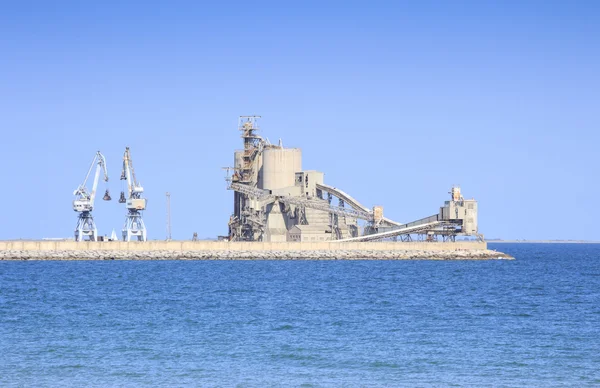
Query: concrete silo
[[279, 167]]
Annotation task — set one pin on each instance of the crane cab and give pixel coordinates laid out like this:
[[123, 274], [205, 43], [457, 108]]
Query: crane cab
[[136, 203], [82, 206]]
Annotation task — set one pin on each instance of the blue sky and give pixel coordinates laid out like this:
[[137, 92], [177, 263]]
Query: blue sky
[[394, 101]]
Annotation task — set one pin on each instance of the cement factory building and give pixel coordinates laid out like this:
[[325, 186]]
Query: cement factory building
[[275, 200]]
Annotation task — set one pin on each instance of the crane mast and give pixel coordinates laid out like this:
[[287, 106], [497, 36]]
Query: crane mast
[[84, 201], [134, 227]]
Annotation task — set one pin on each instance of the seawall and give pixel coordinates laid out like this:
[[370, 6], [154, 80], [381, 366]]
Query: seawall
[[223, 250]]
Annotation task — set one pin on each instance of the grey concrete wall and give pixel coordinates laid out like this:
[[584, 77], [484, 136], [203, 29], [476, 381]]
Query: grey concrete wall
[[186, 246]]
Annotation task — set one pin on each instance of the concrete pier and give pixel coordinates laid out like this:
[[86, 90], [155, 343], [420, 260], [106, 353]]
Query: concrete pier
[[221, 250]]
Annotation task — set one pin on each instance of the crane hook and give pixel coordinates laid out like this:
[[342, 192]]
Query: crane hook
[[122, 198], [107, 196]]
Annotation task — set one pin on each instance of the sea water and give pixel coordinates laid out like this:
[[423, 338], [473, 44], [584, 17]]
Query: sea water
[[534, 321]]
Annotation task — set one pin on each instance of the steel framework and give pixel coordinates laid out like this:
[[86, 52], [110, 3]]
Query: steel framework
[[84, 203]]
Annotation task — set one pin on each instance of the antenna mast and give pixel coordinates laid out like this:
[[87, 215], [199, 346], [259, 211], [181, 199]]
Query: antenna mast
[[168, 216]]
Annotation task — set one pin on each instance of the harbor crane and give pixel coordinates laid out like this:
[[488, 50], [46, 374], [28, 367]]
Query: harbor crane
[[134, 202], [84, 203]]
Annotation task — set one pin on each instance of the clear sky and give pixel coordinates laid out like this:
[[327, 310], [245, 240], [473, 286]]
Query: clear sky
[[394, 101]]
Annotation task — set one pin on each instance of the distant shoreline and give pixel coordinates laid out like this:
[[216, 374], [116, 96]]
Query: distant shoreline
[[541, 242]]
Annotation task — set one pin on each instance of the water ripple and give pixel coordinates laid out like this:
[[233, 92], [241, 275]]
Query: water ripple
[[530, 322]]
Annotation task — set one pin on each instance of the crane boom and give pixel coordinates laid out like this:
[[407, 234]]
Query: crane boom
[[101, 165], [85, 200], [82, 189], [134, 189], [127, 171]]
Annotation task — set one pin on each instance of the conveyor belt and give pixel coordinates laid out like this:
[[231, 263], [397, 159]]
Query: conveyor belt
[[419, 226], [315, 203], [320, 204], [353, 203], [357, 209]]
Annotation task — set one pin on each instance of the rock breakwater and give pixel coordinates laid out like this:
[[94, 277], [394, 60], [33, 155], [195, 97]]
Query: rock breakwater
[[479, 254]]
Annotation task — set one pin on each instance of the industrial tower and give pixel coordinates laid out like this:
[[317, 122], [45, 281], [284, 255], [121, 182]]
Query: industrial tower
[[135, 203], [247, 224], [84, 203], [273, 194]]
